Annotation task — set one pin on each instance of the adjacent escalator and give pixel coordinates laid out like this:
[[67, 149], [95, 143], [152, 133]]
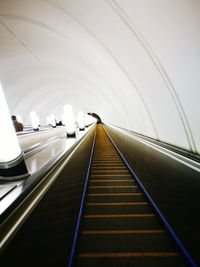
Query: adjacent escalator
[[45, 238]]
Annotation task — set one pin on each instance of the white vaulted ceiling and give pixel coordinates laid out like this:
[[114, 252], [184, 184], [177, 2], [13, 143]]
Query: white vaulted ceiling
[[136, 63]]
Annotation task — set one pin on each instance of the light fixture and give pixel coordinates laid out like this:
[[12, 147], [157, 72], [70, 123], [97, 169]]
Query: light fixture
[[80, 120], [19, 118], [69, 121], [38, 120], [12, 165], [48, 120], [34, 121], [53, 120]]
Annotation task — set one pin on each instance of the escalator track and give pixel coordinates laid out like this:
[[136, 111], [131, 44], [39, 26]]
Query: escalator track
[[118, 225]]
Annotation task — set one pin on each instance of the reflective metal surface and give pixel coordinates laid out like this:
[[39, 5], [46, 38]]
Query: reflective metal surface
[[39, 160]]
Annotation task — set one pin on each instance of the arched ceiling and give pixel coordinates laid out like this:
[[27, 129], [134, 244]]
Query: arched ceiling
[[135, 63]]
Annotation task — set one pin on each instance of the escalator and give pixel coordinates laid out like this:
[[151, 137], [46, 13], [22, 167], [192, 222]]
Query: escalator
[[118, 225]]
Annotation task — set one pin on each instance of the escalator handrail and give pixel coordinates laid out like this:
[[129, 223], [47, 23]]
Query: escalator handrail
[[82, 205]]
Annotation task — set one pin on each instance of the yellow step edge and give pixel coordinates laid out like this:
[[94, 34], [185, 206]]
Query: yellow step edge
[[134, 215], [121, 232], [128, 254], [114, 186], [116, 203], [114, 194]]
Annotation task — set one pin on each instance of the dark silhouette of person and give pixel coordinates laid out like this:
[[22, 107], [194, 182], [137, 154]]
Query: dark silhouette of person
[[18, 125]]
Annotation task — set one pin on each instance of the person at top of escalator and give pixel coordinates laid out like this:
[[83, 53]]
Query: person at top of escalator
[[17, 125]]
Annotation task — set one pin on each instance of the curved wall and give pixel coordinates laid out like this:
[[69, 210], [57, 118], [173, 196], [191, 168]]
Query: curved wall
[[135, 63]]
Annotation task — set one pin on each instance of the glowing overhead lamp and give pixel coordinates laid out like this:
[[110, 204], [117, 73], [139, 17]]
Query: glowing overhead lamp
[[12, 165], [80, 120], [48, 120], [38, 120], [19, 118], [69, 121], [63, 119], [34, 121], [53, 120]]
